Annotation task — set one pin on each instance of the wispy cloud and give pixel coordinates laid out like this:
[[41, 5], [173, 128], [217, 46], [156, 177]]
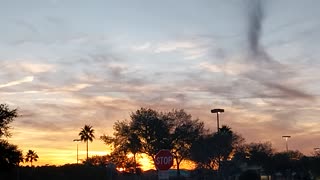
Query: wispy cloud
[[142, 47], [231, 68], [37, 67], [17, 82], [190, 48], [174, 46], [15, 68], [74, 87]]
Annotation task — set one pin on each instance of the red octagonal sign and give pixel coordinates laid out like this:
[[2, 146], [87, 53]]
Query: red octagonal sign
[[163, 160]]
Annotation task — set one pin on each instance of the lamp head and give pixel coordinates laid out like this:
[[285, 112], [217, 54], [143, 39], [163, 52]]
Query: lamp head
[[286, 137], [217, 110]]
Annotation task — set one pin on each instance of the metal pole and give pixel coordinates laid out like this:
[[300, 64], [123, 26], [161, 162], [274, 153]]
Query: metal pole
[[217, 121], [77, 154], [286, 138], [219, 161], [217, 111], [77, 141], [218, 130]]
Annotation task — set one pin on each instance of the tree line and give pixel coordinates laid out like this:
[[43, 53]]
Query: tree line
[[221, 154]]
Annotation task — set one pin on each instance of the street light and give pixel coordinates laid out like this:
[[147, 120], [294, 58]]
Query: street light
[[218, 111], [286, 138], [77, 140]]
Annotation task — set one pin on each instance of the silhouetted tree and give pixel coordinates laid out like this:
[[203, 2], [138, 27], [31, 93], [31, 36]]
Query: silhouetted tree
[[289, 162], [183, 132], [98, 160], [314, 166], [118, 159], [121, 160], [260, 154], [213, 151], [87, 134], [223, 147], [6, 117], [134, 146], [152, 129], [201, 152], [124, 140], [31, 156], [224, 143], [10, 155]]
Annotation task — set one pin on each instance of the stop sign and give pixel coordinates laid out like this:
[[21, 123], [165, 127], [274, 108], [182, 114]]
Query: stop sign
[[163, 160]]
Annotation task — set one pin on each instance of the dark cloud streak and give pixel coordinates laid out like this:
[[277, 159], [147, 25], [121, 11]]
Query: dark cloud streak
[[256, 14], [269, 72]]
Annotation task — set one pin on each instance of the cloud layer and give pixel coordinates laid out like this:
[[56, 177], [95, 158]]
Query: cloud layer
[[62, 73]]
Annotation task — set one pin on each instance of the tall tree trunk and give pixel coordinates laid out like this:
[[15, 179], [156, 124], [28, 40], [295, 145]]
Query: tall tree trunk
[[87, 151], [178, 167]]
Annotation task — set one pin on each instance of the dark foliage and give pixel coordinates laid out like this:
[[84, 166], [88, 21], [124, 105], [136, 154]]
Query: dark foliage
[[152, 128], [212, 150], [87, 134], [65, 172], [10, 156], [78, 172], [184, 131], [124, 141], [150, 131], [31, 156], [249, 175], [6, 117]]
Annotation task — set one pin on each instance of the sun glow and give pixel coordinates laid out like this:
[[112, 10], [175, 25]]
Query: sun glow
[[146, 162]]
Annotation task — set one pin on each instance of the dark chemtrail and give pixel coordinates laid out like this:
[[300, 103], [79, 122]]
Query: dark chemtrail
[[256, 14], [268, 72]]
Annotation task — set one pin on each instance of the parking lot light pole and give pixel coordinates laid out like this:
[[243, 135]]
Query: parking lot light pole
[[286, 138], [218, 111], [77, 140]]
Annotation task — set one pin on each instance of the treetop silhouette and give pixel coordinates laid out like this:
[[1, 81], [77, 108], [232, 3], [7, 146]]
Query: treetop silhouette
[[87, 134]]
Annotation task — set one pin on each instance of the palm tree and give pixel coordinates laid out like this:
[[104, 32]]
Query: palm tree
[[86, 134], [31, 156]]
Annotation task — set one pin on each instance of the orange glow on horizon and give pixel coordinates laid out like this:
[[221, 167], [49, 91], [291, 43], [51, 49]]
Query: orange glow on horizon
[[62, 157]]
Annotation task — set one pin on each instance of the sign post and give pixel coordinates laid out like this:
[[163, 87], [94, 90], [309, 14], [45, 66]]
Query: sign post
[[163, 161]]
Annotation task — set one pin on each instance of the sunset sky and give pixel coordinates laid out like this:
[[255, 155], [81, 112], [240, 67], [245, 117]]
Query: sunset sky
[[67, 63]]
